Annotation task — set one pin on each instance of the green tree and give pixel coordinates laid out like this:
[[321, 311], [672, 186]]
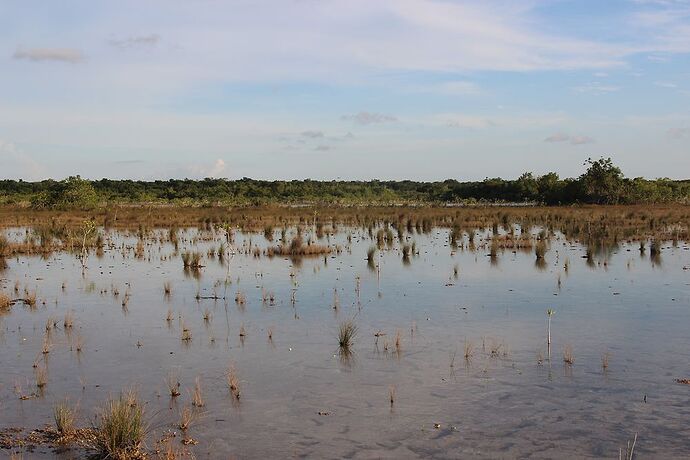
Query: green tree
[[603, 182]]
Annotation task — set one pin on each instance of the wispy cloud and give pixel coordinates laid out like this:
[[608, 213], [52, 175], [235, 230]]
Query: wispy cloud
[[665, 84], [450, 88], [70, 55], [596, 87], [677, 133], [322, 148], [558, 137], [368, 118], [135, 41], [312, 134], [468, 122], [580, 140], [572, 140]]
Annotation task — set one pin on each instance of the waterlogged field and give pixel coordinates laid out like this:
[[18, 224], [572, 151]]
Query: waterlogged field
[[230, 341]]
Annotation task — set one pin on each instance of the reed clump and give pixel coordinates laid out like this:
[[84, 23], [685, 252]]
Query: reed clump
[[173, 384], [298, 248], [64, 416], [191, 260], [346, 334], [568, 357], [233, 382], [121, 428], [5, 301], [197, 394]]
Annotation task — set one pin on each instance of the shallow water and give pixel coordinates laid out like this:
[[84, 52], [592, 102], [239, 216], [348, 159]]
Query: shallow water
[[502, 405]]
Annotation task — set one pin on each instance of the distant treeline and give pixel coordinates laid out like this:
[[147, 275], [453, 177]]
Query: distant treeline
[[601, 183]]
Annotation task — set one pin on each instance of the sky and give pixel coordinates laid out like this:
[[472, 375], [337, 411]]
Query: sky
[[352, 89]]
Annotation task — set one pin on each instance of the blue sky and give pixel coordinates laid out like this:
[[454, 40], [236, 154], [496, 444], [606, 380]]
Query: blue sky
[[352, 89]]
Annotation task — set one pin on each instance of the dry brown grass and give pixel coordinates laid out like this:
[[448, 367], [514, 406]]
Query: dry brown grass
[[5, 301]]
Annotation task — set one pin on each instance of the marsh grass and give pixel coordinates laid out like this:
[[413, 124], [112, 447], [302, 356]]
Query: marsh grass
[[41, 373], [120, 427], [187, 418], [30, 299], [191, 260], [45, 348], [186, 332], [398, 342], [167, 289], [233, 382], [68, 322], [629, 450], [568, 357], [79, 343], [197, 394], [172, 381], [605, 361], [5, 301], [406, 250], [392, 394], [64, 417], [346, 334], [540, 250], [469, 351]]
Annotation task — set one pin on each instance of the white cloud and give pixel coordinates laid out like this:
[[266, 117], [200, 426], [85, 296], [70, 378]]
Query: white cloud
[[368, 118], [70, 55], [216, 170]]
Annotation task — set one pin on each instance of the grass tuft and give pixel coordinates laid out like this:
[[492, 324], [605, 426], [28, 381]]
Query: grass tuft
[[120, 427], [346, 334], [64, 416]]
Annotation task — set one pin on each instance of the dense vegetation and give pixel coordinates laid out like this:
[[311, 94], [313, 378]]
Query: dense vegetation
[[601, 183]]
